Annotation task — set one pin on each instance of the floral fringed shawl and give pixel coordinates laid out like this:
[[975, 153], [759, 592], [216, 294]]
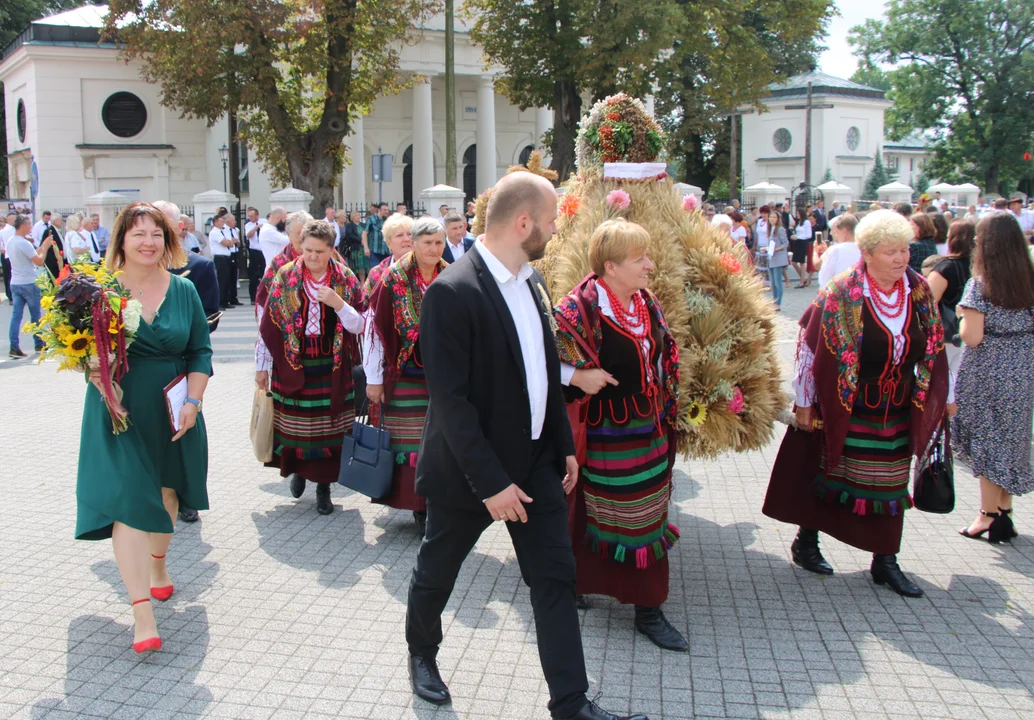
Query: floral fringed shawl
[[831, 328], [570, 320], [395, 312], [283, 326]]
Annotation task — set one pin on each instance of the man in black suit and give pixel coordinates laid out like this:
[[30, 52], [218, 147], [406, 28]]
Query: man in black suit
[[456, 243], [497, 444]]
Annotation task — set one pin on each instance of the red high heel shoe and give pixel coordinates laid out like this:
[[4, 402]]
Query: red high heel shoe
[[150, 644], [161, 593]]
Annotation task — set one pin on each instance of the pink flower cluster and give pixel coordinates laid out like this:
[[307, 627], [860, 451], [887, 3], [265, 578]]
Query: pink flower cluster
[[736, 403], [619, 199], [690, 203]]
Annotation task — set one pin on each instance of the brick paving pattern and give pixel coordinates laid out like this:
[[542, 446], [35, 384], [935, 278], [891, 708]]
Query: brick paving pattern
[[281, 613]]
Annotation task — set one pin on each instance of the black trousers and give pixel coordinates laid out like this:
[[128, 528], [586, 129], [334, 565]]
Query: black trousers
[[224, 274], [235, 265], [544, 553], [7, 275], [256, 269]]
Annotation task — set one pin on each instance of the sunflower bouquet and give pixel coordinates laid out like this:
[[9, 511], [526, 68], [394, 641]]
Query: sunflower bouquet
[[88, 323]]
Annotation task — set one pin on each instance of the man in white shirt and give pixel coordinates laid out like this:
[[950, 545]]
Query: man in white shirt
[[256, 261], [272, 239], [40, 227], [220, 242], [235, 266], [25, 262], [6, 233], [1023, 216], [844, 253], [497, 436], [330, 215], [103, 236], [443, 212], [93, 243], [456, 241], [940, 204]]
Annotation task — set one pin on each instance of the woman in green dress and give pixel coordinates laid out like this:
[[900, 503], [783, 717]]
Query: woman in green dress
[[130, 485]]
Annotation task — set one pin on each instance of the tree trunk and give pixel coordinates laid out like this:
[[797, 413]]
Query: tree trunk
[[313, 170], [991, 176], [567, 104]]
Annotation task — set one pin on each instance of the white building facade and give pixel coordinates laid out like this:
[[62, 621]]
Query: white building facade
[[847, 133], [90, 123]]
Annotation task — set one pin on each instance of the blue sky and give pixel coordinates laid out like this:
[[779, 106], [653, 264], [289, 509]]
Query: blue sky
[[838, 60]]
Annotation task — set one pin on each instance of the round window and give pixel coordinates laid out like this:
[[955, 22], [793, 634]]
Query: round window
[[124, 114], [782, 139], [20, 119], [854, 138]]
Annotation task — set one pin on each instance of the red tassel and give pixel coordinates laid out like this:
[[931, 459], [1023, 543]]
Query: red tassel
[[412, 460], [859, 507], [641, 560]]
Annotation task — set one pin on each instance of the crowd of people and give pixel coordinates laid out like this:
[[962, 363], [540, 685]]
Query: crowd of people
[[454, 345]]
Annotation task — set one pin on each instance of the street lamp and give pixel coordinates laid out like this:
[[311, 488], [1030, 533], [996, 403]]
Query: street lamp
[[224, 155]]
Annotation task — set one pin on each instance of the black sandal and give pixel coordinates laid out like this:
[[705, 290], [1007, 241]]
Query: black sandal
[[993, 531], [1009, 529]]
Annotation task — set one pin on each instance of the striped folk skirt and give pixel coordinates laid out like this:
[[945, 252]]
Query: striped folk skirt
[[871, 477], [404, 414], [618, 515], [306, 435]]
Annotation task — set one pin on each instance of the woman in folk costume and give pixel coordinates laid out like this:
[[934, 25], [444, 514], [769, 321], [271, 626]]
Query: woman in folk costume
[[310, 324], [871, 384], [293, 226], [615, 347], [391, 361]]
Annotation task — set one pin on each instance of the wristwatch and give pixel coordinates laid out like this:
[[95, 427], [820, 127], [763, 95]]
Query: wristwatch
[[195, 402]]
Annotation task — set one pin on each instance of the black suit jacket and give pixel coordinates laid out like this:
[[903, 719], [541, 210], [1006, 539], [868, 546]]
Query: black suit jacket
[[477, 434], [447, 255], [201, 271]]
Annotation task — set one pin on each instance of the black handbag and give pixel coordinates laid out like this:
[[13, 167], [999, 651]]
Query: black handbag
[[367, 461], [933, 488]]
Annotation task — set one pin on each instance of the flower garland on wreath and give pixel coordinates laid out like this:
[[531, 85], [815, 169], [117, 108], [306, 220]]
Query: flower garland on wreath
[[618, 130]]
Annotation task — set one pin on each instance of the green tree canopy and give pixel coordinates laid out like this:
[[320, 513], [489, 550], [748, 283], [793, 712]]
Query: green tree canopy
[[297, 73], [877, 177], [735, 51], [965, 70], [552, 51]]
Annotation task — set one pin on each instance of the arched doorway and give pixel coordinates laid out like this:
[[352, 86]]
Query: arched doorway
[[470, 173], [526, 155], [407, 176]]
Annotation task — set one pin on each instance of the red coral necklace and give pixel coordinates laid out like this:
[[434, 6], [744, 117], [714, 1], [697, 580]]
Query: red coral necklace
[[887, 308], [635, 322]]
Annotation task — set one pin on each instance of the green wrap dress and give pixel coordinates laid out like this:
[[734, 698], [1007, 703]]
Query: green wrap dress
[[121, 476]]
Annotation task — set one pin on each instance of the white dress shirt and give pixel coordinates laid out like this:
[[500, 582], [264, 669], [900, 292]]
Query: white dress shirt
[[6, 234], [236, 235], [836, 259], [37, 232], [73, 241], [253, 240], [522, 300], [271, 241], [457, 250], [190, 241], [215, 241], [93, 244]]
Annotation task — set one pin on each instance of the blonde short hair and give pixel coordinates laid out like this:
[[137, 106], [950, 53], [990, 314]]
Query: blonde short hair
[[394, 224], [74, 221], [615, 241], [882, 227], [296, 218]]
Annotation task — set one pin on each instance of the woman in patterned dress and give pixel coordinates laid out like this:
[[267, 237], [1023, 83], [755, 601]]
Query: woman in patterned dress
[[615, 347], [394, 372], [398, 236], [992, 429], [871, 384], [312, 352]]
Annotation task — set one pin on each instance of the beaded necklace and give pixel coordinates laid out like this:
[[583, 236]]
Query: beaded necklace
[[636, 322], [891, 309]]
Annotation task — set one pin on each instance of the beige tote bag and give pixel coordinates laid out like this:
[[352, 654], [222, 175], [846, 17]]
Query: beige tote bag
[[262, 426]]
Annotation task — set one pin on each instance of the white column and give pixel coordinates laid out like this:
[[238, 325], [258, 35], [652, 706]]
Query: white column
[[486, 157], [423, 141], [353, 179], [543, 123]]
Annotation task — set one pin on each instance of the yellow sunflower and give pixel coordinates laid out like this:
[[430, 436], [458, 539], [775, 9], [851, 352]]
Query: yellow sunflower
[[46, 301], [697, 413], [78, 344]]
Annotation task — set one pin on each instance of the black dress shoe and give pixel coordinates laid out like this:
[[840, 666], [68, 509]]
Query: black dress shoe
[[427, 681], [885, 570], [297, 485], [420, 518], [323, 504], [189, 515], [652, 623], [592, 711], [805, 552]]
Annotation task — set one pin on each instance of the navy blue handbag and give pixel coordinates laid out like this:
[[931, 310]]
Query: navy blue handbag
[[366, 460]]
